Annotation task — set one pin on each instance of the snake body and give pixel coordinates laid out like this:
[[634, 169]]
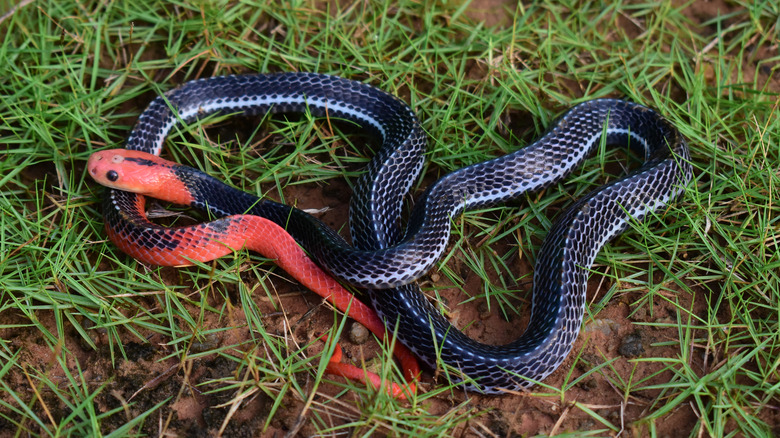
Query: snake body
[[386, 260]]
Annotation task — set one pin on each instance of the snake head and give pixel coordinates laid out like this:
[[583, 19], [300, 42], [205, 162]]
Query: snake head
[[138, 172]]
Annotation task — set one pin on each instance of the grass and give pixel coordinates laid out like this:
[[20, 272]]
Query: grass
[[93, 343]]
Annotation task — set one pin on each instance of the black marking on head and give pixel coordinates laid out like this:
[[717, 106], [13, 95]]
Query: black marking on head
[[112, 176], [141, 161]]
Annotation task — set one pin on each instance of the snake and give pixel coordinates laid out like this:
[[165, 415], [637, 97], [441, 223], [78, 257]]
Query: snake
[[385, 258]]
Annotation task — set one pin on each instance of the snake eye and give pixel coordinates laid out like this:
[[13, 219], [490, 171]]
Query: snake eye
[[112, 176]]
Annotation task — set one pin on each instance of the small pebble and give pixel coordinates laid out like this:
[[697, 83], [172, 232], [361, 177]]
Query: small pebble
[[208, 342], [484, 310], [631, 346], [358, 334], [640, 314], [606, 326], [589, 384]]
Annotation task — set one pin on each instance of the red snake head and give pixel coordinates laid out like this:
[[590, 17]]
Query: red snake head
[[138, 172]]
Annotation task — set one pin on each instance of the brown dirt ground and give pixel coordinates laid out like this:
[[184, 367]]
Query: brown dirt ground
[[147, 378]]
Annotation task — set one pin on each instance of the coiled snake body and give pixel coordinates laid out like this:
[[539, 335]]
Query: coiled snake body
[[385, 260]]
